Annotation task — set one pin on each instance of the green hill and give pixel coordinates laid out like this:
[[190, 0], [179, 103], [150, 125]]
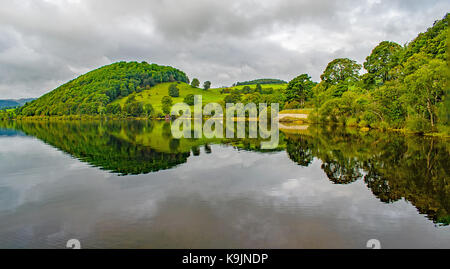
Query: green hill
[[92, 92]]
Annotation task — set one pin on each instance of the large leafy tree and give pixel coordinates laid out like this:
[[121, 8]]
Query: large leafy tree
[[383, 58], [341, 70], [299, 89]]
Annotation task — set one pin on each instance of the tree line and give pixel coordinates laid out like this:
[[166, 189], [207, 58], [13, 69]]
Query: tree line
[[403, 86]]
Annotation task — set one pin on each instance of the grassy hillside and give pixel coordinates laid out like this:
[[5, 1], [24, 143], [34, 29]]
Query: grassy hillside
[[155, 94]]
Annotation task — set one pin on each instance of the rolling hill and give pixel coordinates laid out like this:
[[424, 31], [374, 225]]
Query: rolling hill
[[92, 92]]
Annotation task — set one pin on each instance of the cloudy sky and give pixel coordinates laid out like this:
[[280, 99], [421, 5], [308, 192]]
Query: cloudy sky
[[44, 43]]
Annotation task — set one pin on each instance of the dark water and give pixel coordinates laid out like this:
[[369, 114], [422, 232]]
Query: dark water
[[131, 185]]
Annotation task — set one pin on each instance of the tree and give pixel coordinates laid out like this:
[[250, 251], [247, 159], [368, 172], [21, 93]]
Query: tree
[[189, 99], [166, 102], [246, 89], [258, 88], [113, 108], [207, 85], [195, 83], [340, 70], [383, 58], [232, 98], [426, 88], [299, 89], [148, 110], [174, 91], [135, 109]]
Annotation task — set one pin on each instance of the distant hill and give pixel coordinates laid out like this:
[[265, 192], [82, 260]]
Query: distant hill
[[92, 92], [11, 103], [260, 81]]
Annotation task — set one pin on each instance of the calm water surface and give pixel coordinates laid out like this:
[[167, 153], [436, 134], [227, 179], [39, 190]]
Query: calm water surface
[[131, 185]]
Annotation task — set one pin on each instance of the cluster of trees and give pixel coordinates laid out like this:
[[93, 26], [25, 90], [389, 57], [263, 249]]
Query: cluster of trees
[[404, 86], [196, 83], [252, 95], [260, 81], [91, 93]]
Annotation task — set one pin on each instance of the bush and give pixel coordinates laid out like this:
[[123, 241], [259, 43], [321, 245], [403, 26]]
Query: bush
[[189, 99], [148, 110], [166, 104], [418, 124], [363, 124], [174, 91], [135, 109], [351, 122], [369, 117], [381, 125], [292, 105]]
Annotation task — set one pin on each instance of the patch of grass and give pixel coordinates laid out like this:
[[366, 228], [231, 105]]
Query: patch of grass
[[297, 111]]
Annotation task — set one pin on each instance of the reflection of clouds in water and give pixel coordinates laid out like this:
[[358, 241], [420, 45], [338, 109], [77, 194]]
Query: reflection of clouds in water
[[251, 199]]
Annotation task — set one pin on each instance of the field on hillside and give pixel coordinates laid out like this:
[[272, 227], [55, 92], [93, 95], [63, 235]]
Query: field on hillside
[[155, 94]]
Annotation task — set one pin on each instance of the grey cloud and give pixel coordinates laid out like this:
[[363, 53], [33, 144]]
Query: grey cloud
[[45, 43]]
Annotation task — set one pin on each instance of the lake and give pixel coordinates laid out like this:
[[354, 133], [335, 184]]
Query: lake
[[130, 184]]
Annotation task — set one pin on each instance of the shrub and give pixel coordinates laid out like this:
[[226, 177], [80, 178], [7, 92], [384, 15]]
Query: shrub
[[292, 105], [189, 99], [351, 122], [174, 91], [418, 124], [166, 102]]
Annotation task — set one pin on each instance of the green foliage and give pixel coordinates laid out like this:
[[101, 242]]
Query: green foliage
[[299, 89], [195, 83], [189, 99], [206, 85], [426, 88], [166, 104], [432, 43], [113, 109], [383, 58], [233, 98], [93, 91], [293, 105], [173, 90], [134, 109], [404, 87], [149, 111], [341, 70]]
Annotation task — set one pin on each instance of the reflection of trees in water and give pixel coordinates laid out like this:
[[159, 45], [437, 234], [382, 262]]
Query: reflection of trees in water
[[95, 144], [342, 170], [299, 150], [394, 166]]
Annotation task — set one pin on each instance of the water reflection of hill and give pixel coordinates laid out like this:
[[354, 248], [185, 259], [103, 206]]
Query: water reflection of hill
[[392, 166]]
